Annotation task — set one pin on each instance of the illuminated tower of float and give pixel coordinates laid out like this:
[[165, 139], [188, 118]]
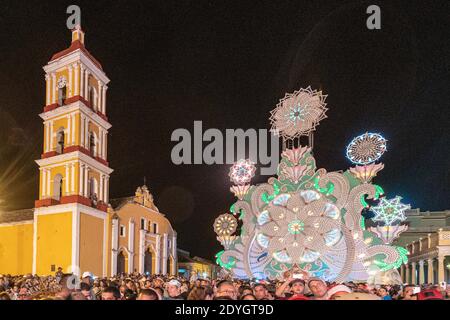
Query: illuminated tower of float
[[70, 219]]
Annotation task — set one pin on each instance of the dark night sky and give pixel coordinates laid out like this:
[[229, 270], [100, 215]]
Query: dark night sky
[[228, 63]]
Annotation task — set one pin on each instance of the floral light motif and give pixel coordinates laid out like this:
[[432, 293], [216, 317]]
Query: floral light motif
[[240, 190], [299, 227], [295, 155], [242, 172], [299, 113], [293, 173], [366, 173], [225, 225], [390, 211], [366, 148]]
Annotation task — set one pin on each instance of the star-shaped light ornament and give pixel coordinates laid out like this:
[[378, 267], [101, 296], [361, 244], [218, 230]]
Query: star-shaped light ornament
[[390, 211]]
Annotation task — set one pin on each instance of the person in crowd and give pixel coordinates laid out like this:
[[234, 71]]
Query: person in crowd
[[111, 293], [338, 291], [383, 293], [318, 288], [200, 293], [248, 296], [261, 292], [226, 289], [148, 294], [173, 290], [292, 289]]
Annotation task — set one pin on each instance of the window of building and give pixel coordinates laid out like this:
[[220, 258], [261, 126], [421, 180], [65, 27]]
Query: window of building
[[170, 244], [143, 224], [122, 231], [92, 148], [155, 228], [60, 140], [57, 185], [93, 97]]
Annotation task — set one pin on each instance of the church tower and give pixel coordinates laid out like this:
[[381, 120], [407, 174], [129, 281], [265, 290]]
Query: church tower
[[70, 217]]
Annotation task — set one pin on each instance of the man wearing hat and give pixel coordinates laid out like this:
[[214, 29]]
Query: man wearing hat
[[173, 290]]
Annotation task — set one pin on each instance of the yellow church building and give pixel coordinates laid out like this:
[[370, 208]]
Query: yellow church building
[[74, 225]]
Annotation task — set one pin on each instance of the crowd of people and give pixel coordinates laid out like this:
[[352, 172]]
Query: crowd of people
[[159, 287]]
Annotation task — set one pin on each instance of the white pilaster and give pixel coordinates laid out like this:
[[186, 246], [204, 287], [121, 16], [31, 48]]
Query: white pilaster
[[47, 88], [44, 183], [82, 80], [164, 262], [76, 86], [72, 178], [70, 88], [69, 129], [86, 179], [47, 137], [107, 189], [174, 255], [158, 254], [81, 182], [48, 182], [102, 179], [100, 93], [82, 130], [72, 139], [53, 88], [141, 250], [114, 245], [66, 180], [131, 245], [86, 133], [86, 84], [51, 136], [104, 100]]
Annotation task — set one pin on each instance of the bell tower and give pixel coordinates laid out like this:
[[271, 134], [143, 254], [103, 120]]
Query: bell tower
[[71, 212]]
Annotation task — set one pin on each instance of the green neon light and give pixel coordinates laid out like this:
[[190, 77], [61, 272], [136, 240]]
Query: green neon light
[[232, 208], [363, 223], [401, 260], [378, 191], [230, 264], [363, 201], [276, 191], [327, 190]]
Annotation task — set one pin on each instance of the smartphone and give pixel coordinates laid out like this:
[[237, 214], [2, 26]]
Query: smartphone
[[297, 276], [416, 290]]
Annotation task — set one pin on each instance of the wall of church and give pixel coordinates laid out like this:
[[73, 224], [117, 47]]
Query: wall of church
[[16, 248], [91, 244], [54, 242]]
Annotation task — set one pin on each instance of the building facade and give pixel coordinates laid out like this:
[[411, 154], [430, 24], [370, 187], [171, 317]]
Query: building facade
[[195, 267], [73, 226], [428, 243]]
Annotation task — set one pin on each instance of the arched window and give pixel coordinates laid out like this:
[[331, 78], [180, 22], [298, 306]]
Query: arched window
[[57, 187], [62, 90], [93, 97], [60, 140], [92, 147], [62, 95], [92, 188]]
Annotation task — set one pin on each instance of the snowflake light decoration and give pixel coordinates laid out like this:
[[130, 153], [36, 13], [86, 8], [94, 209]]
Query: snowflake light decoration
[[366, 148], [390, 211], [242, 172], [225, 224], [298, 113]]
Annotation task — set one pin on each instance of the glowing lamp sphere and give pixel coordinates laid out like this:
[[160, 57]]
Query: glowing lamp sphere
[[366, 148], [242, 172]]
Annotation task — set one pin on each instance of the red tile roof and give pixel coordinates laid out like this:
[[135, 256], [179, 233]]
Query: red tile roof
[[74, 46]]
